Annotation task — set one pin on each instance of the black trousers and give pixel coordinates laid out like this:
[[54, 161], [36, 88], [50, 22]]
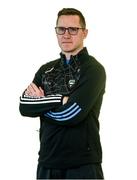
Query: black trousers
[[90, 171]]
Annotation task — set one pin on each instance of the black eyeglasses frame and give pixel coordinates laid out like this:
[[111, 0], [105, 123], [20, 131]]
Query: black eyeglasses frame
[[76, 29]]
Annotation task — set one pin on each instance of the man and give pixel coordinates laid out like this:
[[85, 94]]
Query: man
[[67, 95]]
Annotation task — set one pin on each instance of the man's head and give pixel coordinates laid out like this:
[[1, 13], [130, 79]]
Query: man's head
[[71, 30], [72, 11]]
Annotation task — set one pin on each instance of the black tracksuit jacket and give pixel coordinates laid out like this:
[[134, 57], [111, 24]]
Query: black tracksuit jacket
[[69, 134]]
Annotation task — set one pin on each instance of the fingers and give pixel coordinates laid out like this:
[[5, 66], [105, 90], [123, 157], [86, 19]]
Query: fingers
[[42, 91], [33, 90], [65, 99]]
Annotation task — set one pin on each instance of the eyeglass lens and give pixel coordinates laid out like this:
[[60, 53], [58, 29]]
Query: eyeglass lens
[[71, 30]]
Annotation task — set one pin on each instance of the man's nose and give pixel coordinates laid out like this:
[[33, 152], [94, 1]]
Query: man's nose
[[67, 34]]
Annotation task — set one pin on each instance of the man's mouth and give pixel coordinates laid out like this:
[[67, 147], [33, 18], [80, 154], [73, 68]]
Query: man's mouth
[[66, 42]]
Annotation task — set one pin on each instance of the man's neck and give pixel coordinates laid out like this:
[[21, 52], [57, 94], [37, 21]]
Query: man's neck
[[73, 53]]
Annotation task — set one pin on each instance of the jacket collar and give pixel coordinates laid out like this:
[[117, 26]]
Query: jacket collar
[[78, 57]]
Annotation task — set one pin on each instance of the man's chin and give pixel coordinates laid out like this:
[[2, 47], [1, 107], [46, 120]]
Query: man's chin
[[68, 50]]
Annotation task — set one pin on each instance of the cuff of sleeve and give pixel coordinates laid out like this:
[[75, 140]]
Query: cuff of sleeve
[[36, 106], [25, 99]]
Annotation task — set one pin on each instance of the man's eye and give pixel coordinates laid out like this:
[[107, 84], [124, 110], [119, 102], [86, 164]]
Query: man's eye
[[73, 29], [61, 29]]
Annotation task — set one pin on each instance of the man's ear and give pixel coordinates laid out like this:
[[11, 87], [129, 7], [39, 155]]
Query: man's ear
[[85, 33]]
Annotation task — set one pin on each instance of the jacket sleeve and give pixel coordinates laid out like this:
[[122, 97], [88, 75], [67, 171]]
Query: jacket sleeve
[[90, 90], [33, 106]]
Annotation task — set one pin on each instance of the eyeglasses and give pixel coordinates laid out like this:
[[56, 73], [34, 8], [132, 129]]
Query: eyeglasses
[[71, 30]]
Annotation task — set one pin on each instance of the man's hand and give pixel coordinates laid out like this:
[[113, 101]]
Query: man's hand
[[65, 99], [33, 90]]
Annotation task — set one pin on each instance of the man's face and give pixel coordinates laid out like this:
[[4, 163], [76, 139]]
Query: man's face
[[67, 42]]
